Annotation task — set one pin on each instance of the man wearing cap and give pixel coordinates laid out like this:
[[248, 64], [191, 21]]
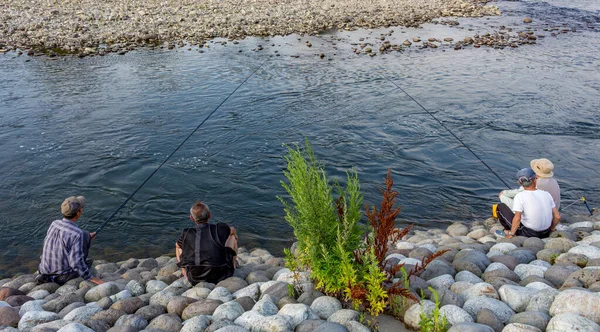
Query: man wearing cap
[[533, 214], [544, 170], [66, 247]]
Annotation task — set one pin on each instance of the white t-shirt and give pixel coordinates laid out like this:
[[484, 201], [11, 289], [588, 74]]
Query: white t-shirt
[[536, 207]]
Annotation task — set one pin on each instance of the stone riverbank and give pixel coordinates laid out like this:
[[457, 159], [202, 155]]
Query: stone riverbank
[[88, 27], [483, 284]]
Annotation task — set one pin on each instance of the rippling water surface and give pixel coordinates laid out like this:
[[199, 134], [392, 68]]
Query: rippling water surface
[[99, 126]]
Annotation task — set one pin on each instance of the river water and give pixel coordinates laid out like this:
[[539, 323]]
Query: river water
[[99, 126]]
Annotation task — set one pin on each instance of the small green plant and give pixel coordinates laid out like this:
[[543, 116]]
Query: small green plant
[[553, 258], [436, 322]]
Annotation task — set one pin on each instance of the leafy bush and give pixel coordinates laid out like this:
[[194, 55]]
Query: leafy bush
[[329, 236], [327, 229]]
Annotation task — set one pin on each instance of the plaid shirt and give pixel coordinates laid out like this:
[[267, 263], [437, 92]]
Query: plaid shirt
[[63, 250]]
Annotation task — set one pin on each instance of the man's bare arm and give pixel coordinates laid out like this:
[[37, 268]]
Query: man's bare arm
[[555, 219]]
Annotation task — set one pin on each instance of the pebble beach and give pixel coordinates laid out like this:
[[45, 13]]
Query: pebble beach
[[92, 27], [483, 283]]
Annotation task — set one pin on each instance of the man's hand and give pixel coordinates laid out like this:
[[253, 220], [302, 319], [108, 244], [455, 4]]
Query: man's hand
[[501, 193], [508, 236], [96, 281], [93, 235], [233, 232]]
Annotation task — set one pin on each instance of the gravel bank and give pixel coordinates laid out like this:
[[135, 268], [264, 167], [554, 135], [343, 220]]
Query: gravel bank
[[86, 26]]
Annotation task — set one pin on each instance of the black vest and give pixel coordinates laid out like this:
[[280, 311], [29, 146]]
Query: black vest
[[202, 246]]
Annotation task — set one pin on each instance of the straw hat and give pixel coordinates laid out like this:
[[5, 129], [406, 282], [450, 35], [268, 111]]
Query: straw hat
[[542, 167]]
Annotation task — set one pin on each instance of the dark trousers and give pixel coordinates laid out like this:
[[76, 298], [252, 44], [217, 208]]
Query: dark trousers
[[505, 216]]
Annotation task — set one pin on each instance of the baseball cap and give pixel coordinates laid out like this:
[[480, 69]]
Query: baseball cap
[[525, 175], [71, 205]]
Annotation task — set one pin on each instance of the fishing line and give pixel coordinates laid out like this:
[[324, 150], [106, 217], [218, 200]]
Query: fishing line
[[176, 149], [448, 129]]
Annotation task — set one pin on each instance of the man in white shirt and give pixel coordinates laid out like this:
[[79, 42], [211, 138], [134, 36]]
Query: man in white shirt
[[534, 213], [544, 170]]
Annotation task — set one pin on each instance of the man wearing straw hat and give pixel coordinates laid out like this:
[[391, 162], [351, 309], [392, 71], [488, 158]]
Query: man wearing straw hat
[[544, 170], [66, 247]]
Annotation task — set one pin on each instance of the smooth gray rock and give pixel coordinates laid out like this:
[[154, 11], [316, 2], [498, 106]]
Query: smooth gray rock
[[198, 323], [70, 308], [480, 289], [166, 322], [277, 290], [467, 276], [456, 315], [155, 286], [542, 300], [470, 327], [533, 318], [299, 312], [202, 307], [135, 288], [54, 325], [220, 293], [33, 318], [82, 314], [35, 305], [252, 291], [151, 311], [129, 305], [577, 301], [228, 311], [571, 322], [330, 327], [110, 316], [309, 325], [135, 321], [516, 297], [233, 284], [75, 327], [523, 256], [500, 309], [412, 316], [342, 316], [325, 306], [266, 307], [100, 291], [246, 302]]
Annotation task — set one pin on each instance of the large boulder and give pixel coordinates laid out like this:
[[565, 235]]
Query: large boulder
[[571, 322], [100, 291], [501, 309], [33, 318], [516, 297], [202, 307], [325, 306], [299, 312], [82, 314], [577, 301], [228, 311]]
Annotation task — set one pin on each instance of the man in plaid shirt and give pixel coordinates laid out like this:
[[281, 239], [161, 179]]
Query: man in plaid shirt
[[66, 247]]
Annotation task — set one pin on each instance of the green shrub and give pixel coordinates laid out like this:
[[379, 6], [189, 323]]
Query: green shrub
[[327, 229]]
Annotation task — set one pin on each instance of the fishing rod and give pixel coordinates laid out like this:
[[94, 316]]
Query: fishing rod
[[176, 149], [447, 129], [582, 199]]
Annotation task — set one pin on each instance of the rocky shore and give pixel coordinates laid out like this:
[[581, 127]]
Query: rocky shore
[[483, 284], [89, 27]]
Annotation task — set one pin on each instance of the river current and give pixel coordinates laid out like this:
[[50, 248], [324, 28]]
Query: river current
[[99, 126]]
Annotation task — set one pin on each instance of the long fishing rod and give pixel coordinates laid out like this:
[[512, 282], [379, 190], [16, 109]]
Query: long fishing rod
[[448, 129], [176, 149], [582, 199]]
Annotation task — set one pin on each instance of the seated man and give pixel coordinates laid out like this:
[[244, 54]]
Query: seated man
[[544, 170], [535, 214], [206, 252], [66, 247]]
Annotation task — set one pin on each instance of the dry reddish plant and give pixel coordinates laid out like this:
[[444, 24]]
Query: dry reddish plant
[[383, 221]]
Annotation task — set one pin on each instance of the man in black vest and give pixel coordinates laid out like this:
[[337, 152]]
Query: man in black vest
[[206, 252]]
